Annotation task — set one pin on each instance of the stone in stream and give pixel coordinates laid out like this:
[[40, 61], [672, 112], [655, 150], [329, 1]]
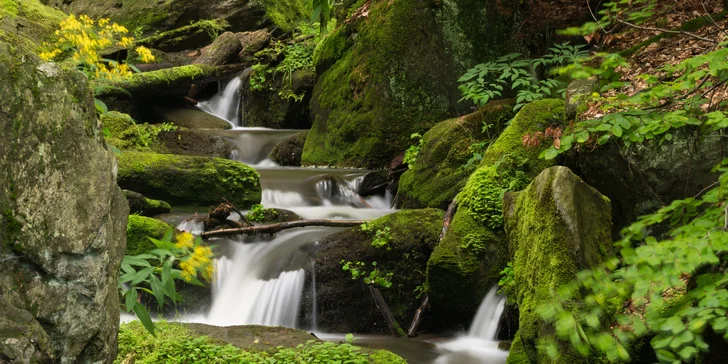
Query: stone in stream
[[555, 228], [186, 181], [189, 117], [345, 304], [288, 152], [62, 215], [439, 172], [468, 261], [267, 108], [138, 204]]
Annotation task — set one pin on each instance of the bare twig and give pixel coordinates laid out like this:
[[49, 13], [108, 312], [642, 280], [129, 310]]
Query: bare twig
[[667, 31], [711, 18], [274, 228]]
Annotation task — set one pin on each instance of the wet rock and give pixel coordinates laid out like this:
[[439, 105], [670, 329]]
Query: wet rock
[[555, 228], [468, 261], [197, 182], [193, 143], [440, 171], [344, 304], [288, 152], [391, 81], [62, 215], [190, 118], [138, 204], [271, 108], [374, 183]]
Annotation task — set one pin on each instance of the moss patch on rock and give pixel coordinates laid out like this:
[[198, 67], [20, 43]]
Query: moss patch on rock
[[269, 110], [439, 172], [138, 231], [189, 181], [345, 305], [138, 204], [235, 344], [395, 80], [459, 277], [555, 228], [32, 21]]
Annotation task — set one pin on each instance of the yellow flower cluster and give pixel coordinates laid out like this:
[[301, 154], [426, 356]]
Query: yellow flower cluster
[[199, 262], [83, 39]]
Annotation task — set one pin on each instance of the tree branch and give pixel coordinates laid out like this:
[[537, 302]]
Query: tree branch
[[274, 228], [667, 31]]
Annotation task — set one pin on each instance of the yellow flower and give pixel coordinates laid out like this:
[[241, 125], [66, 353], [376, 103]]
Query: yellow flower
[[145, 54], [185, 240], [126, 42], [103, 22]]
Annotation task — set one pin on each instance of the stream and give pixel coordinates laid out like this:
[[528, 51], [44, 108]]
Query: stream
[[262, 281]]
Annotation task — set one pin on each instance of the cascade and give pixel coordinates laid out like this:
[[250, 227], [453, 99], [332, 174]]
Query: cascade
[[225, 105], [479, 345]]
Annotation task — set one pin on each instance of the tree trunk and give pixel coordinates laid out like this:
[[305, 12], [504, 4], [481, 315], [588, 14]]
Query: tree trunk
[[191, 36], [274, 228], [392, 324]]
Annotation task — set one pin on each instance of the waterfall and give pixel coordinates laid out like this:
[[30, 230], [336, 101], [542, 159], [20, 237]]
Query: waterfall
[[485, 324], [225, 105], [313, 294], [479, 345]]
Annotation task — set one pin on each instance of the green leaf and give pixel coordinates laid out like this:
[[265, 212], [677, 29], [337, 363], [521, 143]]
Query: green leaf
[[143, 316], [158, 290], [617, 130], [131, 299], [550, 153], [101, 106]]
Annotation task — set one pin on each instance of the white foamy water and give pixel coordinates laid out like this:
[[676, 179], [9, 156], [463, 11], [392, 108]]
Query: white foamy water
[[479, 346], [225, 105]]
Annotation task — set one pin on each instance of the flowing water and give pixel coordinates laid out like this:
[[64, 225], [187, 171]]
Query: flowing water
[[226, 105], [260, 280], [479, 345]]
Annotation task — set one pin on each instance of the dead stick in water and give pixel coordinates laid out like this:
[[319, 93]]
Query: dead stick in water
[[274, 228], [419, 314], [392, 324]]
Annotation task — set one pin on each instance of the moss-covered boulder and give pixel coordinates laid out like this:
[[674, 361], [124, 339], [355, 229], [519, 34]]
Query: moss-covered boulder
[[288, 152], [268, 109], [126, 134], [440, 171], [555, 228], [468, 260], [138, 231], [155, 16], [138, 204], [399, 75], [62, 216], [189, 181], [30, 20], [344, 304]]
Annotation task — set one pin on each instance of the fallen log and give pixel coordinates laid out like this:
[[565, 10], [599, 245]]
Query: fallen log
[[223, 50], [175, 81], [392, 323], [274, 228], [451, 209], [187, 37]]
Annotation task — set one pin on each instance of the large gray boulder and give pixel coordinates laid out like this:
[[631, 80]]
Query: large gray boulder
[[62, 216]]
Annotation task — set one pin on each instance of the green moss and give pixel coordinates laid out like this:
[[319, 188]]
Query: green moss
[[517, 355], [117, 123], [189, 181], [556, 227], [457, 277], [386, 357], [332, 48], [285, 14], [439, 173], [10, 228], [138, 204], [138, 231], [392, 81], [29, 19], [153, 79]]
